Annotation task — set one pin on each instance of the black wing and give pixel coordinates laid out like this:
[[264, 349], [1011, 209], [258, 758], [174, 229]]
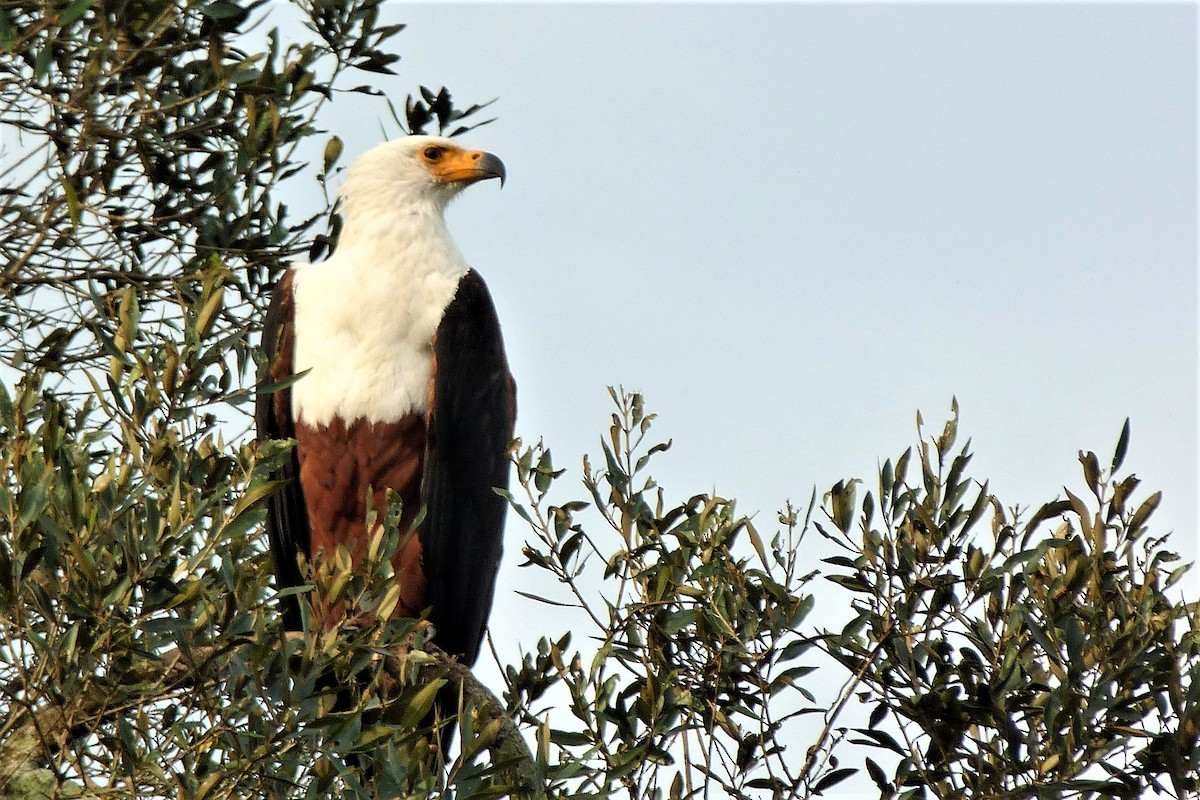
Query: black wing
[[471, 415], [287, 516]]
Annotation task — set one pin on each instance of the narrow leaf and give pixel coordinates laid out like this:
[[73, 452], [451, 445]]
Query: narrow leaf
[[1122, 446]]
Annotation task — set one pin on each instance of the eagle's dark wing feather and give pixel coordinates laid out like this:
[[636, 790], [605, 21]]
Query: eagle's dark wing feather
[[471, 413], [287, 516]]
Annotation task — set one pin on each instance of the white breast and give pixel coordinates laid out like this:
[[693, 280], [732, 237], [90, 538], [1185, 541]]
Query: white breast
[[364, 327]]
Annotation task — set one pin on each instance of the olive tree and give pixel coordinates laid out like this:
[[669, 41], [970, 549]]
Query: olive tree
[[987, 653], [146, 147]]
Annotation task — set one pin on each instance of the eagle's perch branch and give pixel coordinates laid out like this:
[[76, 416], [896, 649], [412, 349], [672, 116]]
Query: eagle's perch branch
[[509, 747], [42, 732]]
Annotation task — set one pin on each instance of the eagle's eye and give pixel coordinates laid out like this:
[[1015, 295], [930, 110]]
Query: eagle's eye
[[433, 153]]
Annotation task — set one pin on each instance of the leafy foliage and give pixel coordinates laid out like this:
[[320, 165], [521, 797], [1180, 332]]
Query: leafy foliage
[[141, 657], [1012, 660], [147, 147], [696, 676], [996, 660]]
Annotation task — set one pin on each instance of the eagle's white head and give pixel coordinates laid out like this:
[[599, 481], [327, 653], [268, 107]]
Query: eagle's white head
[[365, 316], [416, 174]]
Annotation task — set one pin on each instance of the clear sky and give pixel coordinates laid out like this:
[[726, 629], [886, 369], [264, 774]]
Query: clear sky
[[793, 226]]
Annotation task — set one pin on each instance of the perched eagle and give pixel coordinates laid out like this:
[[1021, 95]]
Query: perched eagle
[[405, 387]]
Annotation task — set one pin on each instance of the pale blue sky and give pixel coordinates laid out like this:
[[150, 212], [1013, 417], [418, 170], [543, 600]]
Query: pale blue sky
[[793, 226]]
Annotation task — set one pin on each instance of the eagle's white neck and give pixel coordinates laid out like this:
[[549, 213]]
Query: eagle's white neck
[[365, 318]]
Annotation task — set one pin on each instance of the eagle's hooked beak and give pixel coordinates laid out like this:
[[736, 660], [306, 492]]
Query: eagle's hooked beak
[[469, 166], [492, 167]]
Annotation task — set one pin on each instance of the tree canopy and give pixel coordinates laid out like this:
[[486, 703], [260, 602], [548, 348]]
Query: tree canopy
[[148, 148]]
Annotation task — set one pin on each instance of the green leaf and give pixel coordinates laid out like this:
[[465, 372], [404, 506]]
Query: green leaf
[[1074, 637], [33, 560], [877, 775], [877, 715], [485, 738], [842, 497], [833, 779], [1039, 635], [807, 603], [1091, 470], [34, 498], [73, 11], [887, 479], [41, 63], [421, 702], [880, 739], [1122, 446], [1052, 509], [221, 9], [8, 31], [333, 151], [901, 471], [570, 548], [569, 738], [252, 497], [854, 583], [370, 738], [794, 650], [1144, 511], [757, 542], [981, 504], [546, 600], [678, 620], [74, 209]]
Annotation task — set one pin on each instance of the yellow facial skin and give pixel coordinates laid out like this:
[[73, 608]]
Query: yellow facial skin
[[451, 164]]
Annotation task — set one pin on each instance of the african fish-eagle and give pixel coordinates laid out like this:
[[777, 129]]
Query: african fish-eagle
[[405, 386]]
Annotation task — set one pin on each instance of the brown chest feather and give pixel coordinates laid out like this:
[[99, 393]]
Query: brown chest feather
[[339, 463]]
